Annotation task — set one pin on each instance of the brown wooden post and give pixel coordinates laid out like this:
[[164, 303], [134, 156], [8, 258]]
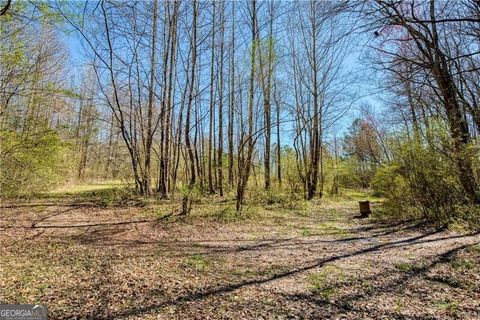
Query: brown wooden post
[[364, 208]]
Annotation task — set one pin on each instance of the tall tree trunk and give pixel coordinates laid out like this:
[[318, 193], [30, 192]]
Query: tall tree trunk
[[267, 103], [279, 149], [212, 101], [231, 107], [245, 160], [166, 159], [186, 202], [149, 135], [220, 101], [458, 125], [315, 136]]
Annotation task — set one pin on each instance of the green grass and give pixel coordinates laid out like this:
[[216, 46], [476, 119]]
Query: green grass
[[105, 194], [215, 210], [305, 232], [326, 228], [398, 305], [197, 262], [449, 306], [407, 267], [325, 283], [327, 293], [475, 249], [88, 187], [459, 263], [332, 228], [356, 195], [245, 272]]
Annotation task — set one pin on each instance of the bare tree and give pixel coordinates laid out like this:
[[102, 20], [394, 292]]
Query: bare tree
[[247, 144]]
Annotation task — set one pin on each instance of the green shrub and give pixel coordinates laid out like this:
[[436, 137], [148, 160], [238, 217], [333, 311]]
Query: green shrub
[[387, 180], [422, 181], [269, 197], [31, 163]]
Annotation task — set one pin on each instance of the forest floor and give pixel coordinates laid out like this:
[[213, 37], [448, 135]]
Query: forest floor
[[84, 260]]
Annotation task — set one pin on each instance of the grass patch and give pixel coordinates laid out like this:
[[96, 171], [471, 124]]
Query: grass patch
[[355, 195], [475, 249], [398, 305], [161, 212], [305, 232], [197, 262], [459, 263], [103, 194], [301, 207], [331, 228], [407, 267], [114, 197], [88, 187], [221, 209], [220, 212], [273, 270], [245, 272], [326, 282], [449, 306]]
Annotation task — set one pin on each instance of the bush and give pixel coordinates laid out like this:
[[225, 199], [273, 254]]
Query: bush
[[422, 181], [31, 163], [387, 182]]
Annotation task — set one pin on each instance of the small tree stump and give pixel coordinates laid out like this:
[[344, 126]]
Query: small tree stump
[[365, 210]]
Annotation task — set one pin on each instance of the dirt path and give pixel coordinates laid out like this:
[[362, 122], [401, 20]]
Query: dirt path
[[83, 261]]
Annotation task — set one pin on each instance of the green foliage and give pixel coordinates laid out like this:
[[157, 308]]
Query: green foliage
[[54, 89], [467, 216], [422, 180], [277, 198], [364, 151], [349, 175], [291, 180], [31, 163], [269, 197], [388, 182]]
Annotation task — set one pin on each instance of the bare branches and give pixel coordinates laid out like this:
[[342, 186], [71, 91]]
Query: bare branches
[[4, 8]]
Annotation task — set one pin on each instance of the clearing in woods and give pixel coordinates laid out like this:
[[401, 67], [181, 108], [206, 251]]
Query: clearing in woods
[[84, 260]]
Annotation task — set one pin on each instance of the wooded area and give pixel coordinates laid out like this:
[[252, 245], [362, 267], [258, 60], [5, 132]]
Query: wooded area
[[164, 87], [239, 110]]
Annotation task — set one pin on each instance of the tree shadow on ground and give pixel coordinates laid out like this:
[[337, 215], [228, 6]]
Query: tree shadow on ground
[[346, 301], [227, 246]]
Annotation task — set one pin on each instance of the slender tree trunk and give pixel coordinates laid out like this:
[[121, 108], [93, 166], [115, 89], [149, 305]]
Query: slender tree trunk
[[231, 107], [149, 139], [279, 148], [315, 137], [220, 101], [267, 104], [212, 101], [186, 202], [245, 160]]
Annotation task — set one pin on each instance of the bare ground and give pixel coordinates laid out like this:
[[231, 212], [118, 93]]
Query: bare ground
[[84, 261]]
